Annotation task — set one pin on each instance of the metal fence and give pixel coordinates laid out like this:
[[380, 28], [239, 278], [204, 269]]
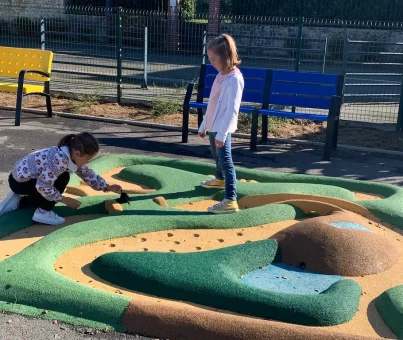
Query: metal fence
[[140, 55], [385, 10]]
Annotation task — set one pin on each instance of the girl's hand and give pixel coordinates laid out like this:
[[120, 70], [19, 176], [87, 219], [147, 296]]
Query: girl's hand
[[116, 188], [219, 144], [71, 202], [202, 134]]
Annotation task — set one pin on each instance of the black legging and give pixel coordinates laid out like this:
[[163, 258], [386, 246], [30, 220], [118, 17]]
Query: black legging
[[31, 197]]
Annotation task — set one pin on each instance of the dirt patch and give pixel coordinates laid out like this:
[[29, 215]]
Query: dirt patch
[[281, 128]]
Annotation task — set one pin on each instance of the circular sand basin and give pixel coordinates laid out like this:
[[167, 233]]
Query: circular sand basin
[[111, 177], [75, 264]]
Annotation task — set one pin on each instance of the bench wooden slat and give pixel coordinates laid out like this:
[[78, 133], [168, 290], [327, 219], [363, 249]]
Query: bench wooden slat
[[198, 105], [252, 96], [13, 60], [255, 81], [250, 85], [299, 101], [27, 88], [247, 95], [303, 89], [294, 115], [304, 77]]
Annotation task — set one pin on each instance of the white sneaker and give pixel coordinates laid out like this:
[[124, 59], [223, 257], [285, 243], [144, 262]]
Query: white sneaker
[[47, 217], [10, 203]]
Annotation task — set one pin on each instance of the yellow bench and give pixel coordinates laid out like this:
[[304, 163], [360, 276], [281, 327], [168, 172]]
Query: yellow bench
[[26, 64]]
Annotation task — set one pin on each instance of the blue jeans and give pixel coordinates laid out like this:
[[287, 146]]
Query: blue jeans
[[224, 166]]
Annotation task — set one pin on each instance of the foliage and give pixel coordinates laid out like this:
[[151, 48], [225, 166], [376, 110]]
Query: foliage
[[162, 106], [188, 9]]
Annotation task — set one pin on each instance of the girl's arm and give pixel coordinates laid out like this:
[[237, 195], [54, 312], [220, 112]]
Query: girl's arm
[[202, 128], [95, 181], [235, 90], [45, 186]]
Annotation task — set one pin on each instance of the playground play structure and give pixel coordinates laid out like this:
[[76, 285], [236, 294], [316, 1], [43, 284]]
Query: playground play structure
[[306, 256]]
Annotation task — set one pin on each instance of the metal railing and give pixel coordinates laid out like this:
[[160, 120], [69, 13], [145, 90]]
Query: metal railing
[[140, 55]]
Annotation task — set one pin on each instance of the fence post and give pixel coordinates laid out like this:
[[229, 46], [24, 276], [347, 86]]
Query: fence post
[[345, 55], [399, 124], [144, 82], [324, 56], [43, 34], [204, 47], [119, 53], [299, 47], [299, 43]]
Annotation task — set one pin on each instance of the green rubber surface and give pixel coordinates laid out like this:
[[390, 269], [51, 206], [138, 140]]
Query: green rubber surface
[[30, 284]]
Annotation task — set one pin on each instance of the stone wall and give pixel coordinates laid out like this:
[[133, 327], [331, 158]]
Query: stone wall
[[273, 40]]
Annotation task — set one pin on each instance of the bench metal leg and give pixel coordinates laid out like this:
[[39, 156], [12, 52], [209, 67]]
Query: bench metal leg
[[332, 128], [48, 99], [20, 95], [265, 128], [199, 117], [254, 128], [185, 113], [336, 133], [185, 124]]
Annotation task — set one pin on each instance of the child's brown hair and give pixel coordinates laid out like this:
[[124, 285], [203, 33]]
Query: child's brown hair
[[83, 142], [224, 46]]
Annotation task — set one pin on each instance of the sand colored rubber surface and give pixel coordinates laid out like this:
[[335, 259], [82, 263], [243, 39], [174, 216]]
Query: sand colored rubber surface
[[111, 177], [203, 240], [113, 207], [362, 196], [63, 257], [332, 203], [22, 239], [193, 323], [161, 201]]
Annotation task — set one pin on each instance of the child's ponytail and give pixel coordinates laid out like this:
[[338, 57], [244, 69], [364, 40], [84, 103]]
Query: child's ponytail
[[83, 142], [66, 141]]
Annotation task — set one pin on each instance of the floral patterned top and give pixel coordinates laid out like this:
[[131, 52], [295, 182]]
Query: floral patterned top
[[47, 165]]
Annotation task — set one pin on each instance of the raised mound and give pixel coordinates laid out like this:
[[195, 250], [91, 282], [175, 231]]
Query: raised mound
[[320, 247]]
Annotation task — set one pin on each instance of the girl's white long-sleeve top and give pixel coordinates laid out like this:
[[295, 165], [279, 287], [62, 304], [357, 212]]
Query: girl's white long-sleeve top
[[225, 119]]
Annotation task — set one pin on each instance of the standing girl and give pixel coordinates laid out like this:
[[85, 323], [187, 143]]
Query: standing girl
[[221, 118], [39, 179]]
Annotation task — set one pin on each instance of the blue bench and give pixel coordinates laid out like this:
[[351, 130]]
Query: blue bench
[[265, 88], [256, 80]]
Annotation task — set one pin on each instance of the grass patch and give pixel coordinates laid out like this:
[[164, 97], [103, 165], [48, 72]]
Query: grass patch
[[162, 106]]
